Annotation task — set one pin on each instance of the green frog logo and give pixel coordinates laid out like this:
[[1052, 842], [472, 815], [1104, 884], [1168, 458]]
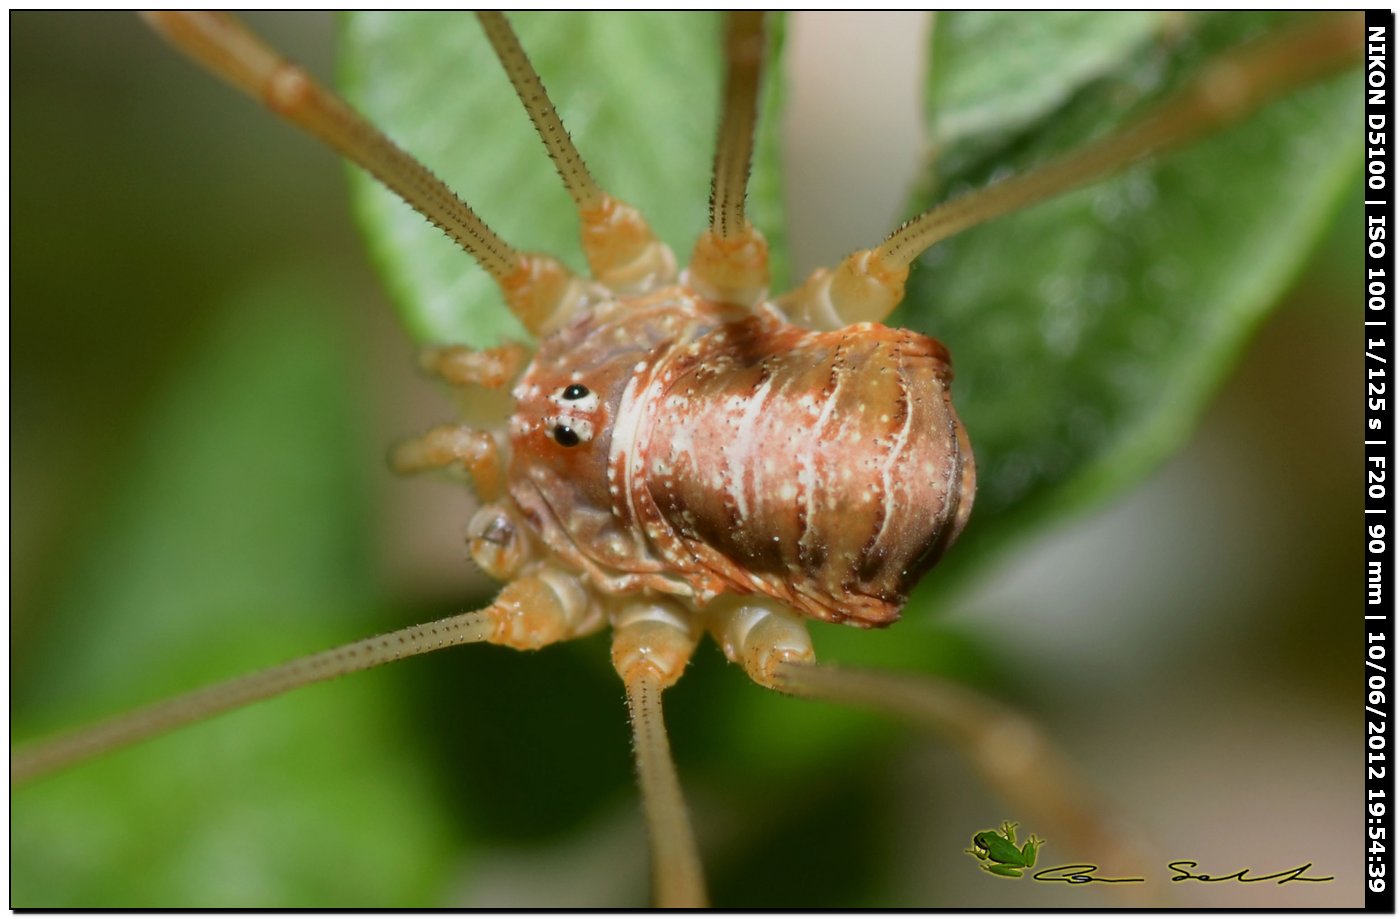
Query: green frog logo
[[998, 853]]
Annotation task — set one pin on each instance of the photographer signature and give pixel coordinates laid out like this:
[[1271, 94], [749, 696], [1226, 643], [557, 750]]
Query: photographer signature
[[1084, 874], [1001, 855]]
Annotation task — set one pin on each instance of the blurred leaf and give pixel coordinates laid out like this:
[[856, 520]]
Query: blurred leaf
[[239, 517], [639, 94], [980, 92]]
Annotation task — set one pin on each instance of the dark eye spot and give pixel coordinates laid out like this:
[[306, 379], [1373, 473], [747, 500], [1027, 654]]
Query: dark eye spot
[[564, 436], [575, 391]]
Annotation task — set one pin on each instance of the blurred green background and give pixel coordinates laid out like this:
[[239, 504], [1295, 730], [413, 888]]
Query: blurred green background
[[205, 375]]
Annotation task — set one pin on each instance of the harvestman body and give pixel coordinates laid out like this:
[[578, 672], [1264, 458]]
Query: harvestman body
[[686, 455]]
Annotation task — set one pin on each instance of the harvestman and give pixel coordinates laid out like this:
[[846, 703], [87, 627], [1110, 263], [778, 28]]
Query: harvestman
[[602, 511]]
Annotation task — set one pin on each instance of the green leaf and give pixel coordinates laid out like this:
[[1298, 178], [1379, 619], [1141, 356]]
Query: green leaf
[[992, 75], [1088, 332], [639, 94]]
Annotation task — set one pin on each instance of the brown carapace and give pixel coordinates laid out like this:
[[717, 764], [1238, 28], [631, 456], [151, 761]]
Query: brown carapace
[[675, 445], [686, 455]]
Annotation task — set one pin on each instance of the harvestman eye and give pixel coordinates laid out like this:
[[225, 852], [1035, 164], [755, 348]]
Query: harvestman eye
[[575, 391], [565, 436]]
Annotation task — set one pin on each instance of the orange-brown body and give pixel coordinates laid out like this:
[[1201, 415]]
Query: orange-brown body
[[720, 449]]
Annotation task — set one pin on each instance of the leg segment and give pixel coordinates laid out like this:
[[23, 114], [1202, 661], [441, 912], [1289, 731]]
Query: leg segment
[[528, 613], [652, 642], [759, 634], [869, 284], [224, 46], [1013, 756], [537, 288], [730, 261], [475, 451], [622, 251]]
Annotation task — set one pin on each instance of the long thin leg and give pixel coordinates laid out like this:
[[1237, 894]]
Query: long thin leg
[[869, 284], [743, 51], [679, 880], [528, 613], [621, 248], [1222, 93], [579, 182], [538, 288], [651, 644], [730, 261], [1013, 756], [772, 645]]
